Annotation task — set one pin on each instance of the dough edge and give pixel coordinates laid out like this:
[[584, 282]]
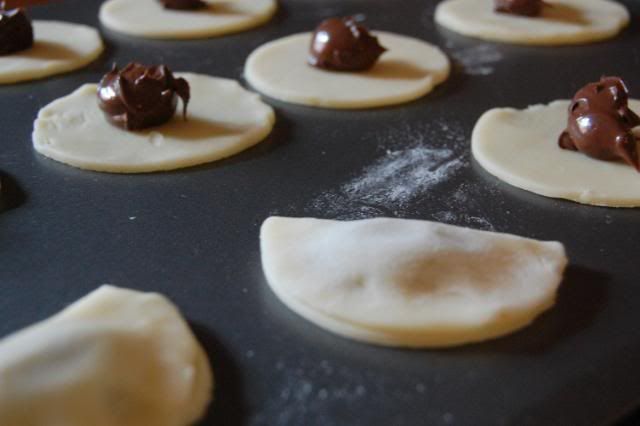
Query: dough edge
[[503, 322], [162, 166], [113, 24], [451, 22], [522, 183], [75, 313], [40, 73], [258, 83]]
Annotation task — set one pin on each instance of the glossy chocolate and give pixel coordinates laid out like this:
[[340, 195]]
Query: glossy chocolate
[[183, 4], [16, 32], [600, 123], [519, 7], [138, 97], [341, 44]]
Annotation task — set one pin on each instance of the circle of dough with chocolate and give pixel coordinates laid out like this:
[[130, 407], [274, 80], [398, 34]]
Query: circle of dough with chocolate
[[521, 148], [561, 22], [149, 18], [222, 120], [410, 69], [58, 47]]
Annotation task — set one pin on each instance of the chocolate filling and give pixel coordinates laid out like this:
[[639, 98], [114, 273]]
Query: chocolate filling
[[16, 32], [519, 7], [600, 123], [183, 4], [341, 44], [138, 97]]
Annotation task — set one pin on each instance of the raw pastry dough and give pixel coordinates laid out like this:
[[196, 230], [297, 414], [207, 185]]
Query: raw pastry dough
[[58, 47], [410, 69], [223, 119], [148, 18], [563, 22], [408, 282], [116, 357], [520, 147]]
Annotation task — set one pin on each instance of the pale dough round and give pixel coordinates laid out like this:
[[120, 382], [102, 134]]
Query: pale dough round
[[58, 47], [521, 148], [562, 22], [149, 19], [410, 69], [223, 119], [408, 282], [116, 357]]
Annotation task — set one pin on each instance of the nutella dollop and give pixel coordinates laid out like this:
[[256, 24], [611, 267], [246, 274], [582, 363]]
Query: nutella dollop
[[519, 7], [341, 44], [600, 123], [16, 32], [183, 4], [138, 97]]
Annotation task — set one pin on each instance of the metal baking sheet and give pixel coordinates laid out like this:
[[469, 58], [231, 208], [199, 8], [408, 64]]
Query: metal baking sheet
[[193, 234]]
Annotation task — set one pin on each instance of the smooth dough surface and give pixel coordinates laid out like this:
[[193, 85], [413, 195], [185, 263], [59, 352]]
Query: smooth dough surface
[[410, 69], [562, 22], [148, 18], [58, 47], [116, 357], [223, 119], [408, 282], [520, 147]]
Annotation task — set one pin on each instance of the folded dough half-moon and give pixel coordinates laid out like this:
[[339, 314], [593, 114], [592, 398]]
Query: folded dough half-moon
[[116, 357], [408, 282]]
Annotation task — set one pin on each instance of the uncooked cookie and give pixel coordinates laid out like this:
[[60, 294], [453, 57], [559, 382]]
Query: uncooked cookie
[[223, 119], [407, 282], [58, 47], [116, 357], [148, 18], [521, 148], [561, 22], [410, 69]]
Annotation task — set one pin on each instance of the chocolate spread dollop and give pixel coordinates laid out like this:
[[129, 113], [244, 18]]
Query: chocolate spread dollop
[[342, 44], [520, 7], [183, 4], [138, 97], [600, 123], [16, 32]]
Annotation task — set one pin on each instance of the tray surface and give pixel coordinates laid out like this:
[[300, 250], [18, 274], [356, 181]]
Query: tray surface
[[193, 234]]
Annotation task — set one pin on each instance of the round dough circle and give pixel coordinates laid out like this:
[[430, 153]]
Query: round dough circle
[[410, 69], [562, 22], [520, 147], [149, 19], [409, 283], [58, 47], [223, 119]]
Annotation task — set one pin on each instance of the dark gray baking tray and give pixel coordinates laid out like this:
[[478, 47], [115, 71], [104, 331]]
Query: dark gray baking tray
[[193, 235]]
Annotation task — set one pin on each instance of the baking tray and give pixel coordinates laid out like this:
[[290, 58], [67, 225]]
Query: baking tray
[[193, 234]]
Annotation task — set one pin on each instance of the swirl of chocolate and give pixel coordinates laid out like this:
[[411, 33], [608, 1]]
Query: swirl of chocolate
[[600, 123], [519, 7], [16, 32], [183, 4], [138, 97], [341, 44]]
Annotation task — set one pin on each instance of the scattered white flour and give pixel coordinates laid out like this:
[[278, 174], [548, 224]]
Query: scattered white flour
[[414, 162], [313, 393], [475, 222], [301, 398], [409, 168], [476, 60], [465, 206]]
